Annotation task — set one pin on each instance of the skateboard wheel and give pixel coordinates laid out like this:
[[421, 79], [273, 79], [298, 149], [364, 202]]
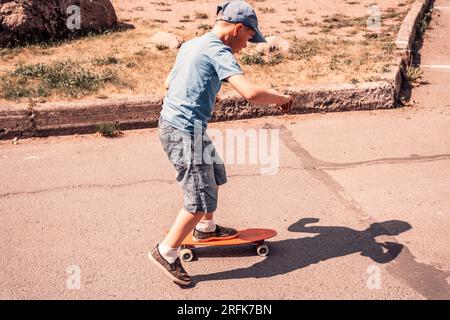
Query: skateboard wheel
[[186, 255], [262, 250]]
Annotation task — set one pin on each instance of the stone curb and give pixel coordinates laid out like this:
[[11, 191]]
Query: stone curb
[[407, 32], [143, 112], [406, 38]]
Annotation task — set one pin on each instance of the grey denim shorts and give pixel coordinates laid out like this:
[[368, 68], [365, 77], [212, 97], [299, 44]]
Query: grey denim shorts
[[199, 168]]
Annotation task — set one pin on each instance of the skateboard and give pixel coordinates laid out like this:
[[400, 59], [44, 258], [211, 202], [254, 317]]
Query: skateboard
[[247, 236]]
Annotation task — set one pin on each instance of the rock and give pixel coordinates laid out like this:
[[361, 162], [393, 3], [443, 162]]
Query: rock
[[166, 39], [96, 15], [35, 20], [274, 43]]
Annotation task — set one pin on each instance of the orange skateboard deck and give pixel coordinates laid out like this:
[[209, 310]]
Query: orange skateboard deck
[[247, 236]]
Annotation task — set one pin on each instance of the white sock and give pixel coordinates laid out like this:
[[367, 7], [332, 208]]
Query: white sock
[[206, 226], [168, 253]]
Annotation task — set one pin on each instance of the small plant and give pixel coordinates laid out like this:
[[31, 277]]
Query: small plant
[[109, 130], [161, 47], [159, 21], [422, 25], [275, 59], [257, 58], [205, 27], [267, 10], [186, 18], [132, 65], [250, 59], [106, 61], [201, 15], [413, 74], [306, 23]]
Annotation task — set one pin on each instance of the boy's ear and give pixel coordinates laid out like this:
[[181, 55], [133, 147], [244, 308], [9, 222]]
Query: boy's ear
[[237, 28]]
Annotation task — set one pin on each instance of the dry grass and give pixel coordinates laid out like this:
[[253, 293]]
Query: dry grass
[[333, 48], [139, 67], [324, 60]]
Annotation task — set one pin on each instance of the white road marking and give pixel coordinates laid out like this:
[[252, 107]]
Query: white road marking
[[31, 158], [436, 66]]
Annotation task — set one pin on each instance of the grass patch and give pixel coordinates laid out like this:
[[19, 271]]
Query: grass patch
[[109, 130], [339, 20], [413, 75], [258, 59], [302, 49], [131, 65], [249, 59]]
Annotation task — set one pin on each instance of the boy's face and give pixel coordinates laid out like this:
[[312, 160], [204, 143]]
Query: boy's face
[[241, 35]]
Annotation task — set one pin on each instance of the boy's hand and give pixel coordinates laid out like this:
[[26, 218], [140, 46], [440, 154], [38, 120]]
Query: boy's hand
[[287, 104]]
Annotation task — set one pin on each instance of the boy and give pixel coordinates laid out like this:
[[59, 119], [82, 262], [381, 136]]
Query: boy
[[193, 83]]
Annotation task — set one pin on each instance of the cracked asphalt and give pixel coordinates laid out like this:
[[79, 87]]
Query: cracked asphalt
[[360, 202]]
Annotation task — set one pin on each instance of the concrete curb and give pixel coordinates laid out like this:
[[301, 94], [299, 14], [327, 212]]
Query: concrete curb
[[143, 112], [406, 38], [407, 32]]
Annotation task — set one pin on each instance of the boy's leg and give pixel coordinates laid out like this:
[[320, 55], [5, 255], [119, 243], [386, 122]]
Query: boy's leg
[[183, 225], [165, 254]]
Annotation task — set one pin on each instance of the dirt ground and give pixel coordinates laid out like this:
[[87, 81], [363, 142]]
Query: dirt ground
[[330, 40]]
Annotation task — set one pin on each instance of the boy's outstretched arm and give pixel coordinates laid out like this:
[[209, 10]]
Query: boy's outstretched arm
[[166, 82], [256, 94]]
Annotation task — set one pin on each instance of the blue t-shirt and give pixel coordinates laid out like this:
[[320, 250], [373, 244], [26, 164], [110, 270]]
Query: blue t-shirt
[[201, 64]]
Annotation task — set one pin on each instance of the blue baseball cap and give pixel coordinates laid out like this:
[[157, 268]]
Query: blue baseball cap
[[240, 12]]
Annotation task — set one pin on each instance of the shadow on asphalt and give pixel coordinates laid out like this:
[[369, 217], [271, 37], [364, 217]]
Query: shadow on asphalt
[[328, 243]]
